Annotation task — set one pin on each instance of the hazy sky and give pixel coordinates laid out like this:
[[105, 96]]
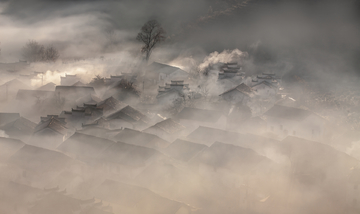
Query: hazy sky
[[321, 34]]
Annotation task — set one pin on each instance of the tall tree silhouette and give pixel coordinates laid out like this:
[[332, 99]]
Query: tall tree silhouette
[[151, 34]]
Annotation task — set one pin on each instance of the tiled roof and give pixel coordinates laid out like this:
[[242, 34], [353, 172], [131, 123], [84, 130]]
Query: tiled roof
[[110, 104], [289, 113], [127, 154], [21, 124], [139, 138], [265, 83], [169, 126], [8, 117], [184, 150], [39, 159], [129, 114], [52, 124], [222, 155], [199, 115], [85, 146], [243, 88]]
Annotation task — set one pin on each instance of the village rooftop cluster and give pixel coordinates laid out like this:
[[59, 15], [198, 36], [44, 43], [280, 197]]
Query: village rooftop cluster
[[160, 141]]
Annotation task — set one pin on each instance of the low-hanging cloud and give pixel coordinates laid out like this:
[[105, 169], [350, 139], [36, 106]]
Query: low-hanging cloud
[[224, 57]]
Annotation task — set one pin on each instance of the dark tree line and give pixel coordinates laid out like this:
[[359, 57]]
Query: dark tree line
[[36, 52]]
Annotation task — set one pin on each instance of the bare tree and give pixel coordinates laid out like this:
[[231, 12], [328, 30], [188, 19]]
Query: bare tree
[[151, 34], [33, 51], [204, 89], [51, 54], [127, 86]]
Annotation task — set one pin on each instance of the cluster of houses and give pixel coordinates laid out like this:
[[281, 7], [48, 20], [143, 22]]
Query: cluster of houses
[[103, 153]]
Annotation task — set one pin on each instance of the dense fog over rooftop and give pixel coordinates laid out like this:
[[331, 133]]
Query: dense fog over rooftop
[[179, 107]]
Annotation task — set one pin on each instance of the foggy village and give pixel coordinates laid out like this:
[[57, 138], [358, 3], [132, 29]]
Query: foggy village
[[179, 107]]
